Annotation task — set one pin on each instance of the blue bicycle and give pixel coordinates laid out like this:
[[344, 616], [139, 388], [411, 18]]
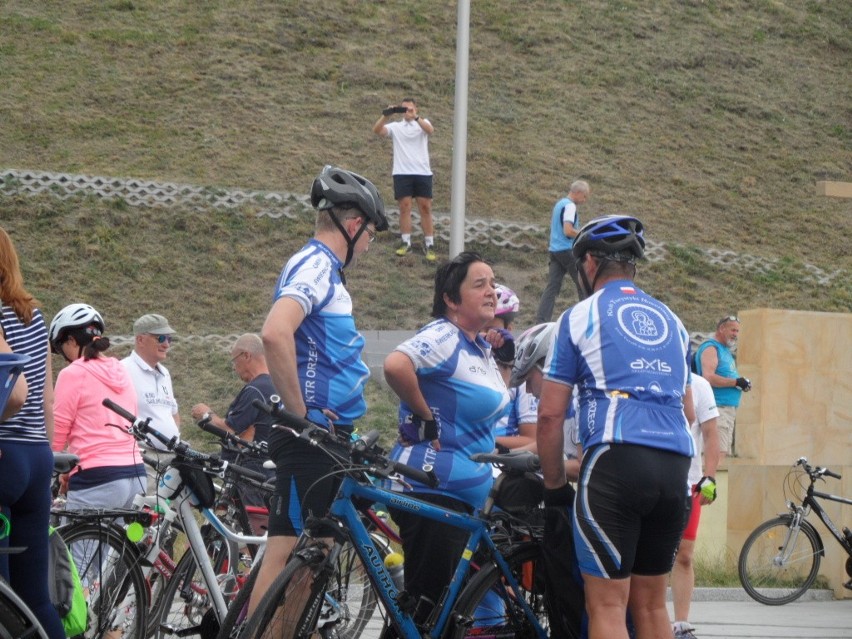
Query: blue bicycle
[[502, 597]]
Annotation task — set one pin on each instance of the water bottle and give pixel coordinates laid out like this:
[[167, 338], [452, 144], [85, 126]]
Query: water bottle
[[394, 565]]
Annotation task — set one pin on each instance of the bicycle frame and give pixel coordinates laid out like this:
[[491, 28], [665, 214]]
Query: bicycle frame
[[344, 511], [811, 501]]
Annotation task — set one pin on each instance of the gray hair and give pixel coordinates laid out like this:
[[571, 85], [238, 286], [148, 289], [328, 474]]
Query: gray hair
[[579, 186], [249, 343]]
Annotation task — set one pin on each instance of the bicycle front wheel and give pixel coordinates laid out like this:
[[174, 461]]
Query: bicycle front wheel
[[778, 563], [488, 606], [16, 620], [314, 596], [108, 564]]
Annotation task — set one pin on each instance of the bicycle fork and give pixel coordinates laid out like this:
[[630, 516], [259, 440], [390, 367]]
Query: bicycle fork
[[786, 548]]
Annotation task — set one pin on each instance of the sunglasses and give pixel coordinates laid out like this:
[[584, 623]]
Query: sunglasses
[[729, 318], [162, 339]]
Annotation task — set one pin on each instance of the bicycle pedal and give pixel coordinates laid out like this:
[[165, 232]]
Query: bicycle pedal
[[848, 585]]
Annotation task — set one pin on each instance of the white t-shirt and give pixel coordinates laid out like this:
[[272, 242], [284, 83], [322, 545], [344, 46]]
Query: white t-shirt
[[155, 397], [410, 148], [705, 409]]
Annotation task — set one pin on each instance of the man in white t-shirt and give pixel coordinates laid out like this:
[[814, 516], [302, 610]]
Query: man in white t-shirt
[[152, 381], [412, 174], [703, 489]]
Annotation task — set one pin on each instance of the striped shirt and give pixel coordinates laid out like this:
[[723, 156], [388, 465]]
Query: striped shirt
[[28, 424]]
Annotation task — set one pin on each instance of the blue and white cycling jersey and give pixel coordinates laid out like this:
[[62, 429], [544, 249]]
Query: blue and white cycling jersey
[[626, 353], [328, 346], [523, 409], [460, 382]]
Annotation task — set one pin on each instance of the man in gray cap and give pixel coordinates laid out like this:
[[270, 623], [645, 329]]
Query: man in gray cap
[[155, 397]]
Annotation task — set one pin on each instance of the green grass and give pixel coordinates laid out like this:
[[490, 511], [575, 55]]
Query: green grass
[[710, 120]]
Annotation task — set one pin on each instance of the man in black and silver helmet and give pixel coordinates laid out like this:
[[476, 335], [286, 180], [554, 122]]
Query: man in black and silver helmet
[[313, 352]]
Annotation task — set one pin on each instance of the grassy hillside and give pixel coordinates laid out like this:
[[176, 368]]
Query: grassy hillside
[[710, 120]]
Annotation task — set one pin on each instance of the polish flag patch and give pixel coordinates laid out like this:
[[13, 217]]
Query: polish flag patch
[[628, 290]]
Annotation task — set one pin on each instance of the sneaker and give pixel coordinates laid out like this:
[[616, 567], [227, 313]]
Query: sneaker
[[430, 254], [685, 632], [403, 249]]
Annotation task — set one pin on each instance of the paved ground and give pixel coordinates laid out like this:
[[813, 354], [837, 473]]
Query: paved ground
[[728, 613], [799, 620]]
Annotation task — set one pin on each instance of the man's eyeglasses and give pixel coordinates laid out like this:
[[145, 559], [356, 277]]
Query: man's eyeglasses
[[237, 356], [162, 339], [371, 233]]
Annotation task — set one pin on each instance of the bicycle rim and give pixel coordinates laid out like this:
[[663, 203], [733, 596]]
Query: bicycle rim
[[487, 608], [350, 598], [108, 565], [776, 565]]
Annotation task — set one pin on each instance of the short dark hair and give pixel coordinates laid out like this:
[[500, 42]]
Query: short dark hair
[[449, 278]]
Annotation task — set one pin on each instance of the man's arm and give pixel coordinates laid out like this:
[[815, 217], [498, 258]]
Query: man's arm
[[710, 434], [709, 362], [568, 225], [379, 127], [425, 125], [550, 437], [279, 344]]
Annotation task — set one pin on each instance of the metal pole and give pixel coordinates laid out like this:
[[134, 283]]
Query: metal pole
[[457, 201]]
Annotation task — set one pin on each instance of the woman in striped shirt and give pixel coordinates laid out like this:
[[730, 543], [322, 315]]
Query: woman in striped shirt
[[26, 462]]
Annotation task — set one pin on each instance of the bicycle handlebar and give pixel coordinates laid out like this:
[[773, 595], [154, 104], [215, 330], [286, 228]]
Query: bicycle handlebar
[[816, 471], [516, 460], [258, 448], [364, 448], [142, 425]]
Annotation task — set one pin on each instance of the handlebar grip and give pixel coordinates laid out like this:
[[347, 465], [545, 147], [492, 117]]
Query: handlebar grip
[[290, 419], [426, 476], [115, 408], [242, 471], [519, 460], [366, 442], [829, 473], [207, 427]]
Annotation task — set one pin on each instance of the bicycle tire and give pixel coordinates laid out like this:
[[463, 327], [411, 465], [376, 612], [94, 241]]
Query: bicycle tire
[[310, 597], [760, 573], [121, 598], [16, 619], [486, 608]]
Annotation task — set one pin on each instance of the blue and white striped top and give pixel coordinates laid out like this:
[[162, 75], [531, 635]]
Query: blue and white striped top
[[31, 339]]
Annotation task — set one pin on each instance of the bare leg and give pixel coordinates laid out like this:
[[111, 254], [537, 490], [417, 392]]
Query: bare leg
[[648, 607], [405, 215], [424, 206], [275, 557], [683, 580], [606, 603]]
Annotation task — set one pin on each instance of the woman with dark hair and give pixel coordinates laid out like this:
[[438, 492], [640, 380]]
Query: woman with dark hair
[[26, 463], [451, 394], [110, 473]]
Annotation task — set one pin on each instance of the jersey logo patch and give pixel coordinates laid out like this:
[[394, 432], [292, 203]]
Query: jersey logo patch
[[643, 323]]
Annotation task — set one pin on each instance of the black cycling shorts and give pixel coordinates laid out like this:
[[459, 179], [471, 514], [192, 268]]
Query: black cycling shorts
[[304, 485], [412, 186], [631, 508]]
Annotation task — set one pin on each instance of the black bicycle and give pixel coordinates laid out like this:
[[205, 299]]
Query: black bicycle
[[780, 559]]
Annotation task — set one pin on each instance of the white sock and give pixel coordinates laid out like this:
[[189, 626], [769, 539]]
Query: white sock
[[406, 237], [430, 240]]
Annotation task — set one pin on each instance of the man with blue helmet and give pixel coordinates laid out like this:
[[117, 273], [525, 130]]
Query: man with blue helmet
[[626, 354]]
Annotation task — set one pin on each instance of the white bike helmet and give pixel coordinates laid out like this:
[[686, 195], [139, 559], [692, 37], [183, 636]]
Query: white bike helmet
[[74, 317], [507, 302], [530, 348]]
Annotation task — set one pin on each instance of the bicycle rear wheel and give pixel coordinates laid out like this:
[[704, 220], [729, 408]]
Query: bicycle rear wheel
[[487, 607], [316, 597], [108, 564], [16, 620], [778, 564]]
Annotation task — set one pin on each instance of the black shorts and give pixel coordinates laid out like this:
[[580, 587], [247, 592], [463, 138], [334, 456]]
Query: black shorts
[[412, 186], [632, 506], [304, 485]]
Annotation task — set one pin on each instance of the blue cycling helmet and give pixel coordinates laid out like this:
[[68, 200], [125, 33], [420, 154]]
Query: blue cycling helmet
[[619, 238]]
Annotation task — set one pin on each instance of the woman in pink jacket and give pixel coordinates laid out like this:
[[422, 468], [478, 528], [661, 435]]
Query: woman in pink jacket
[[110, 472]]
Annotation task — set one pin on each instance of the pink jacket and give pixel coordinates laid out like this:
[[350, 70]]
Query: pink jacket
[[81, 420]]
